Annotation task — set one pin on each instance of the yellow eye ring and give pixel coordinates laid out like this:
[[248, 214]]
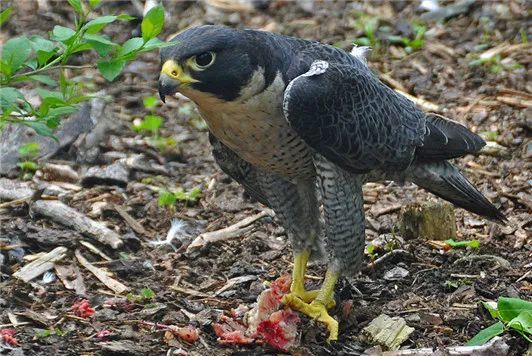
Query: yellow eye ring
[[202, 61]]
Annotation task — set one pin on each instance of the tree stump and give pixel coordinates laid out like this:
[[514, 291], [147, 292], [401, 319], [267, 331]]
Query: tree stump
[[430, 220]]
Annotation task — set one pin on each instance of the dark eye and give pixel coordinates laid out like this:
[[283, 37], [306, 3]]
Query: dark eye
[[205, 59]]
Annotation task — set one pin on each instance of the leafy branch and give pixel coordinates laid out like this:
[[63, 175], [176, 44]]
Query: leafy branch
[[27, 59]]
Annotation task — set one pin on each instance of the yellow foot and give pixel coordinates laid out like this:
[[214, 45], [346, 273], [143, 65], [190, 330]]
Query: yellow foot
[[316, 310], [307, 296]]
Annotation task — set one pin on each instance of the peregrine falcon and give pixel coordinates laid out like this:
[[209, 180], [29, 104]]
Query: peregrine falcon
[[302, 124]]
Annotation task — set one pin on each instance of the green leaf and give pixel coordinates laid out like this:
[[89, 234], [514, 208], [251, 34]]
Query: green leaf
[[94, 3], [150, 123], [363, 41], [147, 293], [111, 69], [166, 198], [126, 17], [94, 26], [99, 38], [62, 34], [150, 102], [510, 308], [153, 22], [15, 52], [489, 135], [100, 48], [45, 94], [44, 48], [43, 334], [101, 44], [76, 5], [191, 196], [486, 334], [79, 98], [522, 323], [43, 79], [472, 243], [156, 43], [41, 128], [492, 309], [61, 111], [28, 166], [131, 45], [29, 150], [43, 57], [82, 47], [10, 95], [194, 194], [53, 121], [4, 15]]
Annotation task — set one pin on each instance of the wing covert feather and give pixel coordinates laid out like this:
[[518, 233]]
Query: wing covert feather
[[346, 114]]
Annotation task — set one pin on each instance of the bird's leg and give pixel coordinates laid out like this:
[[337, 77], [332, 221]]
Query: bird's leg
[[297, 288], [343, 207], [317, 309]]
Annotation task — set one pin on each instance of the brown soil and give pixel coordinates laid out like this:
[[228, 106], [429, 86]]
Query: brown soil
[[439, 297]]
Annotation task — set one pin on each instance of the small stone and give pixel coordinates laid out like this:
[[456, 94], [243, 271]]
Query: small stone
[[396, 273]]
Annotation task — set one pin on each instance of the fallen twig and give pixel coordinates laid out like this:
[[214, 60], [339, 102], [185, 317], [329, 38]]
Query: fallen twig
[[387, 210], [227, 233], [109, 282], [133, 224], [13, 203], [424, 104], [381, 260], [392, 82], [40, 265], [513, 101], [95, 250], [65, 215], [191, 292]]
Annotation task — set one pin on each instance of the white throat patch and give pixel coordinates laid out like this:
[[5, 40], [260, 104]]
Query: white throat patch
[[253, 86]]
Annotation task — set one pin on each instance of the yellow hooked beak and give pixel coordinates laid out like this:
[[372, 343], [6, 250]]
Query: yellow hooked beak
[[172, 77]]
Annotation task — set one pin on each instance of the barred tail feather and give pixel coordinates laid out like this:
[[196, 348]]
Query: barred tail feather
[[445, 181]]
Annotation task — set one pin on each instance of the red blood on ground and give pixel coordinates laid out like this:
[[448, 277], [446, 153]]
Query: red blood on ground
[[83, 309], [102, 335], [187, 333], [7, 336], [231, 337], [280, 330], [266, 323]]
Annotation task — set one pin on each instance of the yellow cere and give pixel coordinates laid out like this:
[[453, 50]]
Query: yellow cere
[[174, 71]]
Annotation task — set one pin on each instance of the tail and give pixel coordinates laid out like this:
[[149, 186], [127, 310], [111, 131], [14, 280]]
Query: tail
[[444, 180]]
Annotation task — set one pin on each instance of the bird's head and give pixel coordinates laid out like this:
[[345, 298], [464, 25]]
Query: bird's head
[[213, 61]]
